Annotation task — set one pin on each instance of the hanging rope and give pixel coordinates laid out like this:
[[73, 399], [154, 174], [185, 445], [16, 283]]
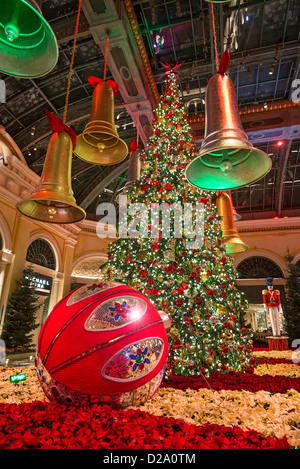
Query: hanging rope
[[71, 63], [106, 51], [138, 126], [215, 37]]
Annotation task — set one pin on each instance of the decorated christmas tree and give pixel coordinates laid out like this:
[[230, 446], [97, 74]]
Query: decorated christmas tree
[[164, 256], [292, 301], [20, 318]]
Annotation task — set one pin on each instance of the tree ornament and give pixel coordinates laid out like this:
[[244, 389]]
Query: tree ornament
[[204, 276]]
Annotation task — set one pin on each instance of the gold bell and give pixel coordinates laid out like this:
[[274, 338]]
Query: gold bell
[[236, 216], [53, 201], [99, 143], [226, 159], [134, 171], [230, 235], [134, 168]]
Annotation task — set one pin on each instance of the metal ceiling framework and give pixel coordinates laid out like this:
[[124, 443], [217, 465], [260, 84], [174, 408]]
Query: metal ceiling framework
[[264, 43]]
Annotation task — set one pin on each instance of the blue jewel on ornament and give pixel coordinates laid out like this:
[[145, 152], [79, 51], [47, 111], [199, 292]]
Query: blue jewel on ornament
[[140, 359], [120, 310], [97, 285]]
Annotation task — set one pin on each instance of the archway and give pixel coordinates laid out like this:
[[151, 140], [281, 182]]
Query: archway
[[252, 272], [42, 257]]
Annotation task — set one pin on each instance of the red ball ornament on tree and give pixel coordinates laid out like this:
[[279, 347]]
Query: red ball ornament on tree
[[103, 343]]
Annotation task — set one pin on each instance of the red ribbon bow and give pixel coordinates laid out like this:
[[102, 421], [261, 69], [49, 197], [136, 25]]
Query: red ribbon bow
[[58, 126], [94, 81], [224, 63], [133, 145]]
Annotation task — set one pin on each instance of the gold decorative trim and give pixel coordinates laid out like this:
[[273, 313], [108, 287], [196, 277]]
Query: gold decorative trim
[[279, 228], [141, 48], [9, 146], [253, 110], [89, 230]]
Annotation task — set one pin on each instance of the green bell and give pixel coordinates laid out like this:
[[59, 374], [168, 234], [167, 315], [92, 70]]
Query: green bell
[[226, 159], [28, 46]]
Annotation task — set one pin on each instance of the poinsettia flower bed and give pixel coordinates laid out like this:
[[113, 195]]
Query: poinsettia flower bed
[[43, 425], [236, 381], [225, 410], [282, 369], [274, 415], [273, 361], [23, 391], [266, 356]]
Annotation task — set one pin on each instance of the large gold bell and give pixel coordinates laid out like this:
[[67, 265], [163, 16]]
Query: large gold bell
[[134, 168], [226, 159], [133, 174], [52, 201], [99, 143], [230, 235], [28, 46]]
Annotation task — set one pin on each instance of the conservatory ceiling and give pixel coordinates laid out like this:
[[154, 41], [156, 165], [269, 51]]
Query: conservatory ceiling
[[264, 44]]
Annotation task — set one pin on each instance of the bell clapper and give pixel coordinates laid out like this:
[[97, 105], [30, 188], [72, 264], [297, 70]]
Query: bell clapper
[[52, 211], [226, 164], [11, 31], [101, 146]]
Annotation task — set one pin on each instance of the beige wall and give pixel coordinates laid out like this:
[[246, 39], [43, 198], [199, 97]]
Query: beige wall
[[272, 238]]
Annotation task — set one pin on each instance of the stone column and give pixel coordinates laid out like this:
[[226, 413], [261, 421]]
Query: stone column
[[19, 247], [67, 264], [57, 281], [6, 259]]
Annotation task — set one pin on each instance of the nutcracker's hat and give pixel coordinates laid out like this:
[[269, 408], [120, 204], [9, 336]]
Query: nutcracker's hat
[[269, 281]]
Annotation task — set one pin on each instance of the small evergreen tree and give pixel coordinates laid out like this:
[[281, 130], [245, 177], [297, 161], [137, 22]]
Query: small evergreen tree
[[20, 317], [292, 302]]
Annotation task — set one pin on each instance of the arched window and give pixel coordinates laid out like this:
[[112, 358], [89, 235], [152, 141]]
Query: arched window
[[41, 253], [259, 267]]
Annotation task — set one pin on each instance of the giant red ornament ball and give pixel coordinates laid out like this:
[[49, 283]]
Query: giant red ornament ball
[[103, 343]]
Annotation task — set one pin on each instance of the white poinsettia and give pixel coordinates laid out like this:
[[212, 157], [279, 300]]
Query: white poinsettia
[[278, 354], [281, 369], [272, 415]]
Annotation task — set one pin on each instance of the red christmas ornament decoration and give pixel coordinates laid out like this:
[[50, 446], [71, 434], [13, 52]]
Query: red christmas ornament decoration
[[103, 343]]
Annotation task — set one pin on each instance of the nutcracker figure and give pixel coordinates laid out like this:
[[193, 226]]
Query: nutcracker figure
[[272, 305]]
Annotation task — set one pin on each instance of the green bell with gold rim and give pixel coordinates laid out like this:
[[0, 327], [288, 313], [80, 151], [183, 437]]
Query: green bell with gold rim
[[226, 159], [28, 46]]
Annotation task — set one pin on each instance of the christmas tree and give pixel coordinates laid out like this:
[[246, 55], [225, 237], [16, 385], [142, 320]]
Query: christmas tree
[[191, 279], [292, 301], [20, 316]]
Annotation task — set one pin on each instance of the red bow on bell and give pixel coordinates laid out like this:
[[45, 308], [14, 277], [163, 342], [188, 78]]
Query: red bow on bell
[[94, 81], [58, 126], [224, 63], [133, 145]]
